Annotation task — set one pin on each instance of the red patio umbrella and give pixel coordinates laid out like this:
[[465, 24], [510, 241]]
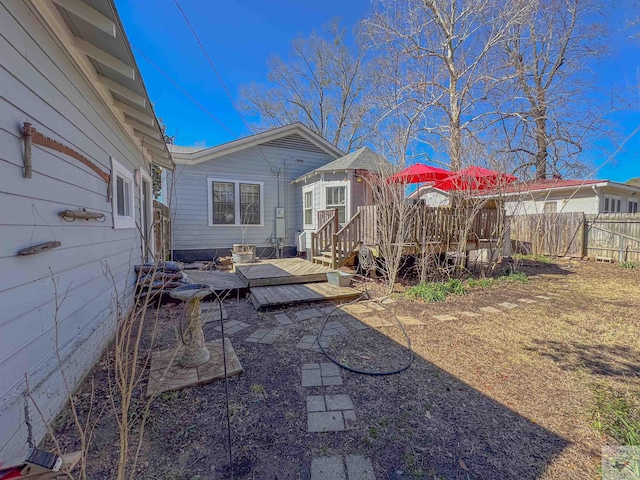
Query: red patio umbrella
[[475, 178], [420, 173]]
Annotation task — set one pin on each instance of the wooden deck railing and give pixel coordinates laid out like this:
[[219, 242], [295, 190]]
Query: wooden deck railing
[[321, 239], [346, 240], [442, 225]]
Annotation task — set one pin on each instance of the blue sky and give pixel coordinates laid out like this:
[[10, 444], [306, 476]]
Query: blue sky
[[239, 35]]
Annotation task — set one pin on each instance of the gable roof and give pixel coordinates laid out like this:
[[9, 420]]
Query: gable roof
[[362, 159], [199, 155]]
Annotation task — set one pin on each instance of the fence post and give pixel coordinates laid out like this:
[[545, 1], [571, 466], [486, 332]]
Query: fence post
[[621, 251], [583, 239]]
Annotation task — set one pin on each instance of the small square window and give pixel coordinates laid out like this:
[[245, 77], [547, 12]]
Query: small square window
[[633, 206]]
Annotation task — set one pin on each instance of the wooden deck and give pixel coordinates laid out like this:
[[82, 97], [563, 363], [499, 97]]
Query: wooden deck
[[220, 280], [274, 296], [283, 271]]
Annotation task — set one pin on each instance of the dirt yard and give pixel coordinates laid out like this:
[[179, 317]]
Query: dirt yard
[[507, 394]]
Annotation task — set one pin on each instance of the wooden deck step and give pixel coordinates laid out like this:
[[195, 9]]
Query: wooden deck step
[[268, 297], [323, 259]]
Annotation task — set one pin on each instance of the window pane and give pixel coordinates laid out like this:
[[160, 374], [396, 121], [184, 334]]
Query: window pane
[[127, 199], [336, 199], [618, 206], [249, 204], [224, 209], [308, 208], [335, 196], [120, 196], [606, 205]]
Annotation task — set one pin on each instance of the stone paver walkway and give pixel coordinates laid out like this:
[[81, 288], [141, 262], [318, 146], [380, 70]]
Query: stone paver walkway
[[409, 321], [333, 468], [264, 335], [308, 314], [489, 310], [445, 318], [233, 326], [320, 375], [526, 300], [509, 305], [283, 319], [310, 342], [543, 297], [329, 413], [469, 314]]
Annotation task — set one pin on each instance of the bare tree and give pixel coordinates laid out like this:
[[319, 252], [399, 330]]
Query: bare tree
[[439, 56], [324, 84], [550, 105]]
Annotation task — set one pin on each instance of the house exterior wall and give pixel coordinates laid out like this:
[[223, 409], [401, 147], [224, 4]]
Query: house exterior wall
[[40, 85], [318, 185], [193, 238], [623, 194], [565, 201], [569, 200], [434, 198]]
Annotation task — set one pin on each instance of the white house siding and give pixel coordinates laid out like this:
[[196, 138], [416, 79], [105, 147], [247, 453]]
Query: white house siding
[[435, 198], [319, 183], [624, 194], [39, 84], [565, 200], [193, 238]]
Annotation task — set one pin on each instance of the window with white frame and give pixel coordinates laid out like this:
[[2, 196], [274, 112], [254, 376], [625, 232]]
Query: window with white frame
[[122, 196], [612, 204], [308, 207], [336, 198], [633, 206], [235, 202]]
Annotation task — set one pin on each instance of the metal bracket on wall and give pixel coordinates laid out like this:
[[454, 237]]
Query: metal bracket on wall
[[31, 135]]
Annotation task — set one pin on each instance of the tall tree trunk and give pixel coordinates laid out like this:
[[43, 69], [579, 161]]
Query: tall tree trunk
[[541, 144], [455, 136]]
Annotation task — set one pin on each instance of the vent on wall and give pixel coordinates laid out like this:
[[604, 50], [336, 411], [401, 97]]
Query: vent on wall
[[296, 142]]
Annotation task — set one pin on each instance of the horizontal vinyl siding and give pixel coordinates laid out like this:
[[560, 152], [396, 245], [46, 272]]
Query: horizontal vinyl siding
[[566, 202], [38, 84], [189, 202]]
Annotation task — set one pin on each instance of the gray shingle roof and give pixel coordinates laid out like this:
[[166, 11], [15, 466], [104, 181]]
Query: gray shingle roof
[[362, 159]]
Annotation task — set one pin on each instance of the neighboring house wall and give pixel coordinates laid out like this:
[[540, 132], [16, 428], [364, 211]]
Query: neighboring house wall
[[435, 198], [193, 238], [625, 197], [555, 202], [569, 200], [39, 84]]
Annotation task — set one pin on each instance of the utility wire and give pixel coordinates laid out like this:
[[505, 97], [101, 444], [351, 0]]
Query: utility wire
[[226, 90]]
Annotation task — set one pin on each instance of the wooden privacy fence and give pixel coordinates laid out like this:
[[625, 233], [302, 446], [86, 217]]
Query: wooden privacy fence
[[615, 235], [611, 235], [162, 230]]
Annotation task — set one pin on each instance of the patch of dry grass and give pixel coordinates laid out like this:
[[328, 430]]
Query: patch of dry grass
[[541, 360]]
